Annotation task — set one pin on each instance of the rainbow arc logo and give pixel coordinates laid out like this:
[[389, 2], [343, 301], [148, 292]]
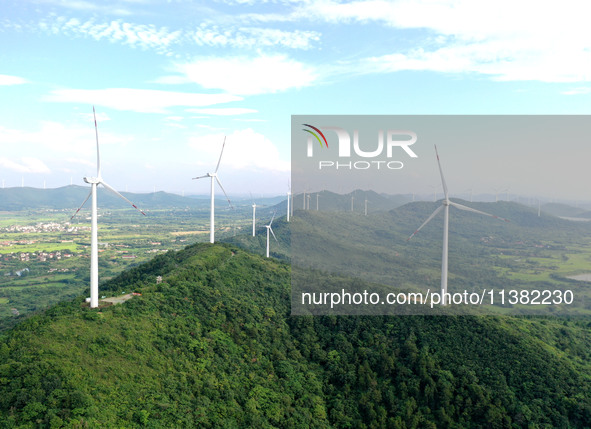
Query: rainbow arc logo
[[315, 134]]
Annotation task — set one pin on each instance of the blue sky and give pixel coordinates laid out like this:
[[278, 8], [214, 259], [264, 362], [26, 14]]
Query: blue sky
[[170, 79]]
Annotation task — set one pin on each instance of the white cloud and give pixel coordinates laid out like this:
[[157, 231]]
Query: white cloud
[[225, 111], [60, 139], [172, 80], [87, 6], [163, 39], [507, 40], [502, 60], [247, 75], [138, 100], [252, 37], [26, 165], [80, 161], [578, 91], [245, 150], [11, 80]]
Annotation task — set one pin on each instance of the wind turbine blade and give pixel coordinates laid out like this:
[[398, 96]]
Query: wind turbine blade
[[271, 229], [441, 172], [98, 156], [224, 191], [469, 209], [82, 205], [110, 188], [272, 218], [200, 177], [426, 222], [221, 153]]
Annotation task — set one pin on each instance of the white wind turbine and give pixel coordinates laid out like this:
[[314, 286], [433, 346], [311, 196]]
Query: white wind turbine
[[254, 210], [288, 197], [214, 176], [94, 182], [445, 207], [270, 229]]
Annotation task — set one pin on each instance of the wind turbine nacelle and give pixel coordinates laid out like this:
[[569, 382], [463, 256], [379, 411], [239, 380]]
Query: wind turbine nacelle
[[92, 180]]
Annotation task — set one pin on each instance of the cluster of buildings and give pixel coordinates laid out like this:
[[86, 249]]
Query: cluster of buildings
[[45, 227], [38, 256]]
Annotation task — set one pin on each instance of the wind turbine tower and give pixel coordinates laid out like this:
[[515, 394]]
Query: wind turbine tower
[[214, 178], [254, 210], [94, 182], [366, 207], [445, 207], [317, 195], [271, 230], [288, 197]]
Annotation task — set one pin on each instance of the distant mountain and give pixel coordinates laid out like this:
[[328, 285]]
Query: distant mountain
[[330, 201], [213, 345], [70, 197], [558, 209], [353, 242]]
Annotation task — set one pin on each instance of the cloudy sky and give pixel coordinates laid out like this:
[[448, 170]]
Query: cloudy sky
[[170, 79]]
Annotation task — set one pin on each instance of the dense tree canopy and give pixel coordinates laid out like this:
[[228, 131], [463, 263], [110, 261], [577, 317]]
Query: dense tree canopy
[[214, 345]]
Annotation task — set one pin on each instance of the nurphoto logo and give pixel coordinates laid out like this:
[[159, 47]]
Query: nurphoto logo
[[373, 156]]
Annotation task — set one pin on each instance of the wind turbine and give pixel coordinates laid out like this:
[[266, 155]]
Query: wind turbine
[[434, 187], [94, 182], [445, 207], [214, 176], [254, 209], [288, 197], [270, 229], [471, 191]]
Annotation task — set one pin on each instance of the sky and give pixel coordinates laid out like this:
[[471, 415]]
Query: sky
[[171, 80]]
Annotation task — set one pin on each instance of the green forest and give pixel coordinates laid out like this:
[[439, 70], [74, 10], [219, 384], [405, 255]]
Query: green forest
[[214, 345]]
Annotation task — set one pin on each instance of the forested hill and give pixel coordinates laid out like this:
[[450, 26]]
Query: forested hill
[[213, 345]]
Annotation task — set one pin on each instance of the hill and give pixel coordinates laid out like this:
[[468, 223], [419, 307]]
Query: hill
[[68, 197], [214, 345], [529, 252], [330, 201], [558, 209]]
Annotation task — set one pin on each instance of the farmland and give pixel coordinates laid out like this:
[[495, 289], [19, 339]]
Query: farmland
[[45, 256]]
